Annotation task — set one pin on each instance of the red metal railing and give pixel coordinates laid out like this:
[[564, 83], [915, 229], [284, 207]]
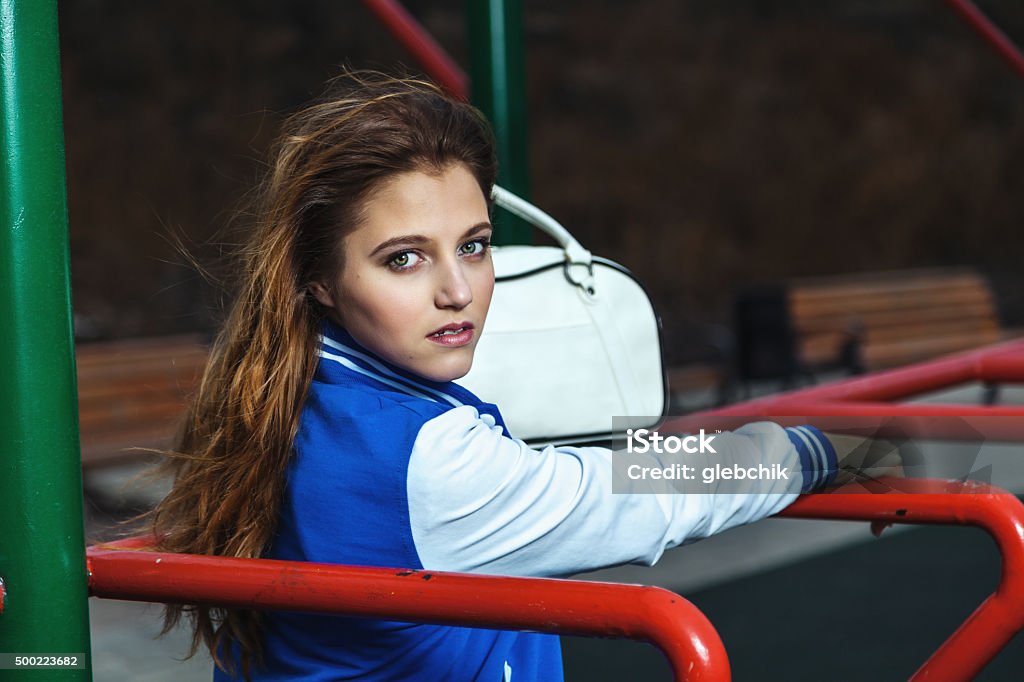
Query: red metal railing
[[1002, 363], [1001, 616], [1001, 514], [990, 33], [437, 64], [651, 614], [866, 397], [679, 629], [662, 618], [411, 35]]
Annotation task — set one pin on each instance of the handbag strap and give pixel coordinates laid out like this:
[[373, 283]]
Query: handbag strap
[[579, 262], [579, 269]]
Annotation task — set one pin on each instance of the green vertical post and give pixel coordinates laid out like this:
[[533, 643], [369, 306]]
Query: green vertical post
[[497, 87], [42, 550]]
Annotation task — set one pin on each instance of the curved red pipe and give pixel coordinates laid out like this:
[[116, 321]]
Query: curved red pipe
[[880, 420], [677, 627], [1001, 514], [995, 364], [690, 642]]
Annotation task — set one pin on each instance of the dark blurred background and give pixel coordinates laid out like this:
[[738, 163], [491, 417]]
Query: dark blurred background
[[707, 146]]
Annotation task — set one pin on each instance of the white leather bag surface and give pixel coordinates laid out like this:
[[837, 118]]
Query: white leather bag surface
[[571, 340]]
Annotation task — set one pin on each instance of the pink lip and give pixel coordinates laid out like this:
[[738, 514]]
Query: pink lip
[[453, 340]]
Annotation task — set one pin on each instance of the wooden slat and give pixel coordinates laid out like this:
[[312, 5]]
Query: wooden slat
[[693, 377], [881, 356], [100, 388], [162, 408], [900, 318], [885, 301], [897, 281], [133, 393], [841, 321], [967, 327], [119, 446]]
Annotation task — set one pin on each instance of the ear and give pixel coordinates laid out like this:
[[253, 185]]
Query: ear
[[322, 294]]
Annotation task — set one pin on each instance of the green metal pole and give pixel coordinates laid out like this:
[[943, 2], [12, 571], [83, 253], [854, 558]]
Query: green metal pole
[[42, 545], [497, 86]]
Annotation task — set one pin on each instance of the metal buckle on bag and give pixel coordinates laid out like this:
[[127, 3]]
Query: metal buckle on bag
[[581, 274]]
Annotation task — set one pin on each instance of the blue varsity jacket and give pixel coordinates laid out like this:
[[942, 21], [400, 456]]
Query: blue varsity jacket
[[393, 470]]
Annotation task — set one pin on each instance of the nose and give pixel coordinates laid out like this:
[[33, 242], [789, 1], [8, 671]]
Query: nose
[[453, 289]]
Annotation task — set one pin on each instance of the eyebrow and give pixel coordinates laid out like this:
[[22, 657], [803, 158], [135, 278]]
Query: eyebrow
[[418, 239]]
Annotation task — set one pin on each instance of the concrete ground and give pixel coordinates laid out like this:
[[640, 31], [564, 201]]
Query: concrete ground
[[731, 577]]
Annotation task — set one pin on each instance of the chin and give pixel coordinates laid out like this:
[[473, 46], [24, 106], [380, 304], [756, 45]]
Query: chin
[[455, 369], [453, 375]]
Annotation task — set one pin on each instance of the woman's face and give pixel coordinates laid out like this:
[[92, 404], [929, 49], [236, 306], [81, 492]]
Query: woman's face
[[416, 277]]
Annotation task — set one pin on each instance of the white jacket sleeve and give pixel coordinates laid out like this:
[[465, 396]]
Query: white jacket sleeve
[[485, 503]]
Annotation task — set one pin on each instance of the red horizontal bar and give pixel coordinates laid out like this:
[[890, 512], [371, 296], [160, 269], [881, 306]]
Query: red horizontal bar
[[670, 622], [1001, 616], [572, 607], [413, 37], [1002, 363], [882, 420], [873, 409]]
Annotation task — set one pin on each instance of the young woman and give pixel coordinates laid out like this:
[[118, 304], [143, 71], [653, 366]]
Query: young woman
[[328, 426]]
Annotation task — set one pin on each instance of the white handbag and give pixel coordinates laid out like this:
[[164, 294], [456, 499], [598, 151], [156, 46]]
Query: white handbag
[[571, 340]]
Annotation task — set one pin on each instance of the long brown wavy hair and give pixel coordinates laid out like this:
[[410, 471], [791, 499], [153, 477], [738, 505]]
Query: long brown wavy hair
[[231, 452]]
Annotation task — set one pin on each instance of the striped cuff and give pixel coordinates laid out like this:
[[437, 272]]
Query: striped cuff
[[817, 457]]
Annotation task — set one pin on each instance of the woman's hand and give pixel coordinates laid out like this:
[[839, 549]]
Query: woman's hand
[[865, 459]]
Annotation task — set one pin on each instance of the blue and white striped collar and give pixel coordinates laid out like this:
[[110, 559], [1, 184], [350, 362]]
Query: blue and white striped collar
[[340, 350]]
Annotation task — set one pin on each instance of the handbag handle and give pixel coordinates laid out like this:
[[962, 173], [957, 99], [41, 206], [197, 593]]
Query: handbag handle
[[579, 262]]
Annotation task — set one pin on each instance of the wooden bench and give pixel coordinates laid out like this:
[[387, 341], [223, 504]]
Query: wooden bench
[[132, 393], [894, 318], [861, 322]]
